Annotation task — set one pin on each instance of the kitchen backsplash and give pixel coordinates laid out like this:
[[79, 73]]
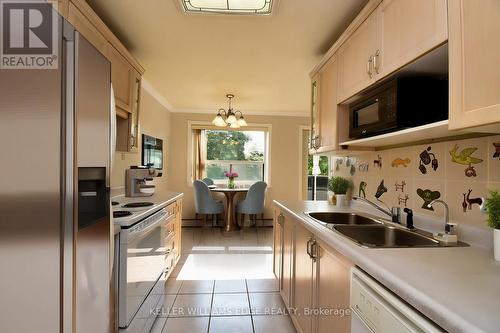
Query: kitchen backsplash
[[460, 172]]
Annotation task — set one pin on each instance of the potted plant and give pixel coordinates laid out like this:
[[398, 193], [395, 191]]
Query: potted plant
[[492, 206], [339, 186]]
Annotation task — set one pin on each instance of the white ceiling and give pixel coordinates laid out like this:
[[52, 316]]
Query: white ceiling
[[194, 60]]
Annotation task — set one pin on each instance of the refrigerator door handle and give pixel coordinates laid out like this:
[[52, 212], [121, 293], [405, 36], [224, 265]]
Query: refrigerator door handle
[[112, 129], [68, 140]]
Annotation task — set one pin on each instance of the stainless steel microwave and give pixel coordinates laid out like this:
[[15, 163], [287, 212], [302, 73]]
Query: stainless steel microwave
[[399, 104]]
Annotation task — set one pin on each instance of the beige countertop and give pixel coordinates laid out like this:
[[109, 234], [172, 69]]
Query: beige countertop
[[457, 288]]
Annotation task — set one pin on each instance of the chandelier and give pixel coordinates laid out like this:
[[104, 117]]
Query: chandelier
[[231, 118]]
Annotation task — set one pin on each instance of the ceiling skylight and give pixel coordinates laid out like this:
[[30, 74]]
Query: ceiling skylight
[[245, 7]]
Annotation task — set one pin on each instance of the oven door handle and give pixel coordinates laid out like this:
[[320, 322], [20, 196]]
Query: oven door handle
[[146, 230]]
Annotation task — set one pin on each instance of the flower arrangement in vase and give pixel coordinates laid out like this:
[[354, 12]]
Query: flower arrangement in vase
[[231, 176]]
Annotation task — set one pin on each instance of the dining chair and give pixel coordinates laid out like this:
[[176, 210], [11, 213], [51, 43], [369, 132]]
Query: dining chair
[[253, 204], [204, 204], [208, 181]]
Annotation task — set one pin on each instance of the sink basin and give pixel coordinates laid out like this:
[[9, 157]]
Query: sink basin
[[385, 236], [342, 218]]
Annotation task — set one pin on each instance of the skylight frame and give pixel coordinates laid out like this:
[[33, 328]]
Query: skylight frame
[[266, 10]]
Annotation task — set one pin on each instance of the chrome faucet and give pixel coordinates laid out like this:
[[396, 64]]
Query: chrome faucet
[[449, 227], [394, 212]]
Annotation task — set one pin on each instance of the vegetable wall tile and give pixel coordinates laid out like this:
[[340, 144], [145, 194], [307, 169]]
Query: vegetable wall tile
[[426, 190], [429, 161]]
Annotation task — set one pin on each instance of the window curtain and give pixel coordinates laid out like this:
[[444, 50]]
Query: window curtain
[[200, 154]]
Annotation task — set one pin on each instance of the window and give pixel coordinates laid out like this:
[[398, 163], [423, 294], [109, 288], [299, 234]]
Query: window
[[249, 7], [317, 179], [245, 152]]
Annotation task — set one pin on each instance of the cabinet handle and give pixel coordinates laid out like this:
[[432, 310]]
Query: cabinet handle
[[314, 250], [369, 66], [308, 248], [376, 65], [280, 219], [315, 142]]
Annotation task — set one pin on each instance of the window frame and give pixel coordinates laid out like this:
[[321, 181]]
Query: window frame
[[193, 125]]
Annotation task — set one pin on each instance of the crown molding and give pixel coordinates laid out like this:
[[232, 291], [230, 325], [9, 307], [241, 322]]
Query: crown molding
[[146, 85], [248, 112]]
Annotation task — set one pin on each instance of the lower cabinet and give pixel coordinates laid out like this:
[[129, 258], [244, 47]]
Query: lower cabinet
[[178, 230], [314, 278], [332, 286], [303, 279], [283, 254], [277, 245]]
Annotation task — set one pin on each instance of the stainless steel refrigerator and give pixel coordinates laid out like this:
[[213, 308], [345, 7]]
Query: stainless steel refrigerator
[[55, 226]]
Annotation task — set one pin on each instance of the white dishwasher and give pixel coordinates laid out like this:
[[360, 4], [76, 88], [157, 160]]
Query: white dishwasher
[[377, 310]]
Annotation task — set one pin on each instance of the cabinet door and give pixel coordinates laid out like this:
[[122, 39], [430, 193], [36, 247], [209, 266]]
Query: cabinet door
[[328, 106], [474, 51], [87, 30], [121, 77], [286, 276], [315, 137], [303, 278], [277, 245], [355, 59], [136, 102], [178, 230], [407, 29], [332, 291]]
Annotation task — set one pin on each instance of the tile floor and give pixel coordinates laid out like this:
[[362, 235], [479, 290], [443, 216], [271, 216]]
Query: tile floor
[[223, 283]]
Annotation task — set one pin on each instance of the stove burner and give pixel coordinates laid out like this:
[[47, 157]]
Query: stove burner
[[114, 203], [121, 213], [138, 204]]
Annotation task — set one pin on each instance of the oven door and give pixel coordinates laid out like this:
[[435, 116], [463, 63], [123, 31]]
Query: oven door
[[142, 262]]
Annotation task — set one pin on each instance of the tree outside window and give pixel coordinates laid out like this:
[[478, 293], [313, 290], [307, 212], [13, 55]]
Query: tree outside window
[[244, 150]]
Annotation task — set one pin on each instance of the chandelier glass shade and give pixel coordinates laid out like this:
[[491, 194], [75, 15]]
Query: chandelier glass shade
[[231, 118]]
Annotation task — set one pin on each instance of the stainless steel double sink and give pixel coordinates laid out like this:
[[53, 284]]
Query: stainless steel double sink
[[371, 232]]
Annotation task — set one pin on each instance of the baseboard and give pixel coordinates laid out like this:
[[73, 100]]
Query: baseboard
[[199, 222]]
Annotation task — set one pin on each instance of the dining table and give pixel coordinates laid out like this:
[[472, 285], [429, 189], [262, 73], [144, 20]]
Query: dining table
[[230, 215]]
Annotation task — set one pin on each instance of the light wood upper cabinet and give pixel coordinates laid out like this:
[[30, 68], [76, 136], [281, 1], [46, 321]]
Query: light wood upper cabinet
[[136, 103], [303, 278], [85, 27], [122, 75], [332, 287], [406, 30], [474, 50], [328, 106], [315, 136], [355, 59]]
